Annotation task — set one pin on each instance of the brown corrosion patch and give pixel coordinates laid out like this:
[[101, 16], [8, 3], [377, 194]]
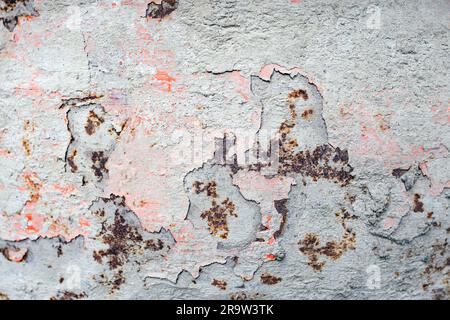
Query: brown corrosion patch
[[210, 188], [69, 295], [245, 296], [280, 206], [14, 254], [417, 204], [99, 164], [93, 122], [123, 240], [11, 21], [217, 215], [307, 114], [71, 161], [3, 296], [222, 285], [59, 251], [269, 279], [324, 162], [160, 10], [26, 146], [299, 93], [438, 262], [34, 188], [10, 5], [311, 246]]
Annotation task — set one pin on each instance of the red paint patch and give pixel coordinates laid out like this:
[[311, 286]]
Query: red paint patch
[[165, 79]]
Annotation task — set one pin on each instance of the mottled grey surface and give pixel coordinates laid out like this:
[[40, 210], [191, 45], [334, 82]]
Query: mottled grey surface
[[224, 149]]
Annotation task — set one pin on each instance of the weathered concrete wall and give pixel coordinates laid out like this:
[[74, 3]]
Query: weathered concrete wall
[[224, 149]]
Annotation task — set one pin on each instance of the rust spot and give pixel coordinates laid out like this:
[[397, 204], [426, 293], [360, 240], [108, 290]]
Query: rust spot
[[324, 162], [100, 213], [350, 198], [10, 22], [310, 245], [154, 245], [26, 146], [210, 188], [71, 161], [222, 285], [123, 240], [69, 295], [418, 205], [307, 114], [14, 254], [300, 93], [10, 5], [437, 263], [159, 11], [34, 188], [3, 296], [269, 279], [93, 122], [384, 127], [59, 251], [245, 296], [217, 215], [280, 206], [99, 164]]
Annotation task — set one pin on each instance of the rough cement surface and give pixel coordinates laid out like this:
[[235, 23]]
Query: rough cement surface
[[283, 149]]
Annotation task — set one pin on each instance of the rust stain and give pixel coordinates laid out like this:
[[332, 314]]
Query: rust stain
[[245, 296], [324, 162], [210, 188], [311, 247], [269, 279], [69, 295], [3, 296], [437, 262], [14, 254], [307, 114], [26, 146], [93, 122], [417, 204], [280, 206], [217, 215], [123, 240], [299, 93], [34, 188], [71, 161], [222, 285], [99, 164]]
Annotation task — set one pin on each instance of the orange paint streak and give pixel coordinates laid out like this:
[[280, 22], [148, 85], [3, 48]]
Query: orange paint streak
[[84, 222], [64, 189], [270, 257], [165, 79]]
